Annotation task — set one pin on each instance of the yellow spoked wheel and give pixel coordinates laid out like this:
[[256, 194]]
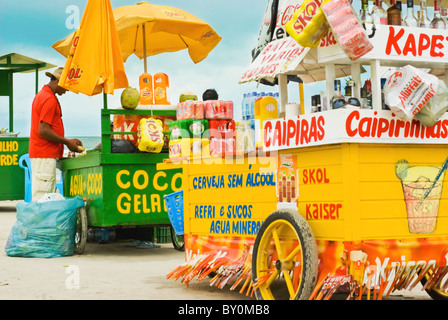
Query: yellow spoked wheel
[[436, 292], [284, 263]]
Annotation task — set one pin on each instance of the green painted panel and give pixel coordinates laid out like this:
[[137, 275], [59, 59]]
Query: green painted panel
[[122, 194], [12, 186], [5, 85], [134, 194]]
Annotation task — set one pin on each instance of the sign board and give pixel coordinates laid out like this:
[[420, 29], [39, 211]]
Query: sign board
[[395, 43], [275, 59], [350, 126]]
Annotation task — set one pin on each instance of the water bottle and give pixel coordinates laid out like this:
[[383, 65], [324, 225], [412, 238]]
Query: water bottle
[[248, 104], [244, 106], [255, 96]]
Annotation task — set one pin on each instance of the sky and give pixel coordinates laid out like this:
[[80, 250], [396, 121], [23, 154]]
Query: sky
[[31, 28]]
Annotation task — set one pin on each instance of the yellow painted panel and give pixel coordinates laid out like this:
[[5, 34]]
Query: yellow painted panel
[[228, 218], [230, 210], [327, 192], [385, 190], [319, 156], [388, 209], [327, 230], [377, 172], [418, 154], [237, 195], [223, 181], [228, 165], [320, 174], [398, 229]]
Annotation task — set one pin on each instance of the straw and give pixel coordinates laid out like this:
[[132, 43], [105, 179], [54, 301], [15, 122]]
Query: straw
[[445, 164]]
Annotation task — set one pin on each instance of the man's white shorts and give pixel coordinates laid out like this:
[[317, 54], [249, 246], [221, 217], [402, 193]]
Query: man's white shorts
[[43, 177]]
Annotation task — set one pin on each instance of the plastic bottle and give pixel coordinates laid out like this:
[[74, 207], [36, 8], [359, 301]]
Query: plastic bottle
[[252, 104], [161, 85], [146, 92], [247, 103], [244, 106]]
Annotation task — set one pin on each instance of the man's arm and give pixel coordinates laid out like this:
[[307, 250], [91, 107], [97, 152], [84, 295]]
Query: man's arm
[[47, 133]]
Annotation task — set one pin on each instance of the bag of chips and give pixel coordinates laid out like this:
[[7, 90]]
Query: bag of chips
[[435, 108], [308, 25], [347, 28], [408, 90], [150, 135]]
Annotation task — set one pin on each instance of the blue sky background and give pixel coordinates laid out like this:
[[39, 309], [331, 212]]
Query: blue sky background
[[33, 26]]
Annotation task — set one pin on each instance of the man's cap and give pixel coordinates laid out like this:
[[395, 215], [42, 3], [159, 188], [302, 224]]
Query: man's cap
[[56, 73]]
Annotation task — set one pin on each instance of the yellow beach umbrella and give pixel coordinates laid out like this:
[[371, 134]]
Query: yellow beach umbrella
[[146, 29], [94, 60]]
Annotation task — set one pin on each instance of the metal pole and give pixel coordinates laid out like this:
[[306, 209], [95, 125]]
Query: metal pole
[[104, 100], [11, 107], [144, 47], [37, 80]]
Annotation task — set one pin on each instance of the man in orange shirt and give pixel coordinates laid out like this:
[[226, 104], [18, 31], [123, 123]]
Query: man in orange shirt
[[47, 137]]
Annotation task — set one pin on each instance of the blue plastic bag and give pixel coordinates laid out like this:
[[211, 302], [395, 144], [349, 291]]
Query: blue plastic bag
[[44, 230]]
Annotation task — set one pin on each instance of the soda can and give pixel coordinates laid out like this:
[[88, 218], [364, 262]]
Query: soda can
[[199, 128], [199, 110], [228, 109], [220, 110], [179, 111], [216, 146], [188, 109], [209, 110]]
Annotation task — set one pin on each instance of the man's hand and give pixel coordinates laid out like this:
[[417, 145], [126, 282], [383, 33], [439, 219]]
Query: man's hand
[[46, 132], [73, 144]]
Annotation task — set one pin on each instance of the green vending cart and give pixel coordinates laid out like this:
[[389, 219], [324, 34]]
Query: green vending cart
[[12, 147], [13, 176], [122, 189]]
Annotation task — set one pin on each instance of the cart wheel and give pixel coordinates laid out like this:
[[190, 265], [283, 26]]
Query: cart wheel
[[178, 241], [81, 231], [284, 262], [435, 293]]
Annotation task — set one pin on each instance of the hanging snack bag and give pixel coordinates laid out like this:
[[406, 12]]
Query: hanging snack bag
[[150, 135], [435, 108], [408, 90], [308, 25], [347, 28]]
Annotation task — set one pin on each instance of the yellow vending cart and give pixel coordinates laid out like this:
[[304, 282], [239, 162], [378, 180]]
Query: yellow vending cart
[[349, 200]]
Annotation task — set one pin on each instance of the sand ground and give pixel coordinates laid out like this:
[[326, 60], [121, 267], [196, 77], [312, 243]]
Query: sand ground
[[115, 271]]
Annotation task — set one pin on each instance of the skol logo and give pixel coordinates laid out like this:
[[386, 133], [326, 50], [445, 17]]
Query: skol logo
[[153, 132], [305, 17]]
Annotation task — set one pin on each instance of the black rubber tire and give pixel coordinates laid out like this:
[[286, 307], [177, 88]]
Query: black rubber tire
[[178, 241], [305, 237], [81, 231], [435, 294]]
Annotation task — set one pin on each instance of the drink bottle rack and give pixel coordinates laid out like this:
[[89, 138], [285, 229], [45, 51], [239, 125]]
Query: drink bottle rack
[[394, 46]]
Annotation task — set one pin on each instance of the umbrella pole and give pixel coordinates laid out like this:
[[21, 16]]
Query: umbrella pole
[[104, 100], [302, 98], [144, 47]]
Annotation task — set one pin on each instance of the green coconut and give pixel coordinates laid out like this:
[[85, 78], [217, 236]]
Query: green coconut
[[188, 96], [130, 98]]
